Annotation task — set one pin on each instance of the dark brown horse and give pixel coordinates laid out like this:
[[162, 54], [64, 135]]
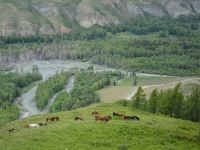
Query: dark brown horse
[[118, 114], [52, 119], [95, 113], [131, 118], [10, 131], [78, 118]]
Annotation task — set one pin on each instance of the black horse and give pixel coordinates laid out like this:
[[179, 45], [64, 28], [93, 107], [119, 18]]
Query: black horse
[[42, 124]]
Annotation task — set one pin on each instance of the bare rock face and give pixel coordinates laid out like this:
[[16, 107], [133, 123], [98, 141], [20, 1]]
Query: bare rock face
[[177, 8], [50, 17], [152, 8], [196, 5], [88, 16]]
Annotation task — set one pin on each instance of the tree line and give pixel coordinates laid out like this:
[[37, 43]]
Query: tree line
[[10, 88], [84, 93], [48, 88], [170, 102], [162, 48]]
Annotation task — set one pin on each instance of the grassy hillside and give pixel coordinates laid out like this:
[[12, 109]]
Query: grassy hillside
[[152, 132], [27, 17]]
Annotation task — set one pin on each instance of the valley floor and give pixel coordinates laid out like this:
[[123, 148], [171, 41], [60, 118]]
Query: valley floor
[[151, 132], [125, 89]]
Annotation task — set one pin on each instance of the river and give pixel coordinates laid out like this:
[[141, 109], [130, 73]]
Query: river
[[47, 69]]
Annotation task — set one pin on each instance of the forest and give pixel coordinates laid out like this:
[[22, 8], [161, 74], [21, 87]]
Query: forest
[[87, 82], [11, 86], [48, 88], [170, 102], [160, 45]]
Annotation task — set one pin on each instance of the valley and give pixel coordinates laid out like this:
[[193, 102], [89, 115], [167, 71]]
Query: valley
[[99, 75]]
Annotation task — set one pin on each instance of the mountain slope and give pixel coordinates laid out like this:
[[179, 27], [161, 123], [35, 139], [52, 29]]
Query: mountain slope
[[152, 132], [27, 17]]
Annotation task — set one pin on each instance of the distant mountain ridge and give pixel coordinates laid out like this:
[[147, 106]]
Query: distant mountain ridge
[[28, 17]]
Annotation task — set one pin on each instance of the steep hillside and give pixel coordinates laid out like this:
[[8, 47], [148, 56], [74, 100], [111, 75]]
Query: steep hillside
[[27, 17], [151, 132]]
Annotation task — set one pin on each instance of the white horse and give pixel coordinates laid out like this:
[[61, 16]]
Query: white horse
[[34, 126]]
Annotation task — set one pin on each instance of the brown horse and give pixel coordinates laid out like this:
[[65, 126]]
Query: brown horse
[[105, 118], [118, 114], [78, 118], [95, 113], [52, 119]]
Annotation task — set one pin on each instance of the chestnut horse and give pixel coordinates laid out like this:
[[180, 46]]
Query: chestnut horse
[[52, 119], [105, 118]]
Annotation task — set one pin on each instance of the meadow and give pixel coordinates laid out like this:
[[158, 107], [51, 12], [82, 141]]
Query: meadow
[[151, 132]]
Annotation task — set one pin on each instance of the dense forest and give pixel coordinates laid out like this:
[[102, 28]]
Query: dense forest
[[161, 45], [170, 102], [10, 88], [84, 93], [48, 88]]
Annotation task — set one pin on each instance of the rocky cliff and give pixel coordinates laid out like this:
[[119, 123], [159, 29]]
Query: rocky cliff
[[27, 17]]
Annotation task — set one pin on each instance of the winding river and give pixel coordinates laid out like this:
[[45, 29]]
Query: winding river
[[47, 69]]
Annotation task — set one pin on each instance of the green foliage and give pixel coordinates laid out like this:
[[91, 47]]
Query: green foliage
[[51, 86], [160, 45], [63, 101], [84, 93], [10, 87], [139, 99], [192, 106], [125, 103], [9, 114], [171, 102], [152, 102]]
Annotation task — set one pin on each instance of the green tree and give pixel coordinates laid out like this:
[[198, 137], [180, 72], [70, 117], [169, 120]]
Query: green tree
[[153, 100], [193, 105], [135, 80], [139, 98]]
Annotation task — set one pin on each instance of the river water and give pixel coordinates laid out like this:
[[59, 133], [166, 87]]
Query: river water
[[47, 69]]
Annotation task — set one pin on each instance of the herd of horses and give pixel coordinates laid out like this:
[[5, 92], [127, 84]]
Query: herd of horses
[[95, 114], [108, 118]]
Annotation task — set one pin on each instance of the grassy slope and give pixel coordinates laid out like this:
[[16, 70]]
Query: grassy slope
[[152, 132]]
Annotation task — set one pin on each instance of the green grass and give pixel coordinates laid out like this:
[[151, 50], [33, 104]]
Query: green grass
[[152, 132], [142, 81]]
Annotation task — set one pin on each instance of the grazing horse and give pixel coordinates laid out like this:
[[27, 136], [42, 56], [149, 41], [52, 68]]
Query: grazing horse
[[95, 113], [117, 114], [42, 124], [78, 118], [10, 131], [34, 126], [136, 118], [131, 118], [105, 118], [52, 119]]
